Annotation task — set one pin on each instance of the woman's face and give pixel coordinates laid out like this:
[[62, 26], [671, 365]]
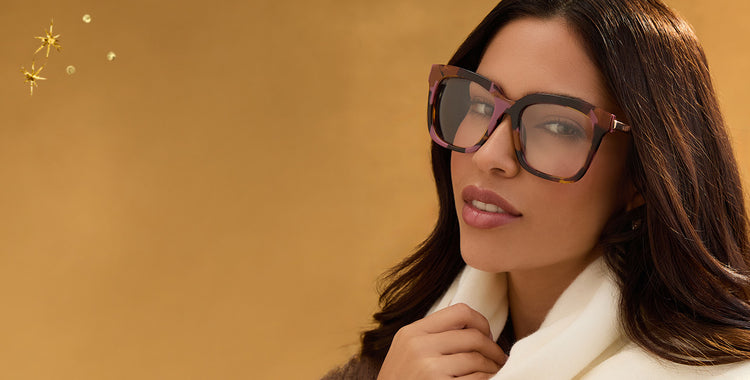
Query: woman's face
[[540, 223]]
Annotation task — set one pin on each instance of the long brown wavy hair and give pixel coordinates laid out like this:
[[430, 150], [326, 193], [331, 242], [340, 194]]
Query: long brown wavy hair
[[684, 274]]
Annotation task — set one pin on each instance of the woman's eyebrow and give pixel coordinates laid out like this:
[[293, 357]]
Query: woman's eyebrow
[[557, 93], [500, 89]]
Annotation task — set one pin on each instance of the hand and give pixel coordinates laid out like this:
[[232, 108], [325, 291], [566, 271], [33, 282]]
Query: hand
[[453, 342]]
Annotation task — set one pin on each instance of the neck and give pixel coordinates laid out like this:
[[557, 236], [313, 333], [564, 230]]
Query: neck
[[532, 293]]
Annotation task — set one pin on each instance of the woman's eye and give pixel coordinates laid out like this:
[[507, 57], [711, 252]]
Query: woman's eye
[[481, 108], [564, 129]]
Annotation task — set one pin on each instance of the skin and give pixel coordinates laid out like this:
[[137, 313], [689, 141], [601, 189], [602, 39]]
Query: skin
[[454, 342], [555, 238]]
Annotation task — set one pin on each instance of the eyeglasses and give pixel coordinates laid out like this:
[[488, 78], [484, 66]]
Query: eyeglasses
[[555, 136]]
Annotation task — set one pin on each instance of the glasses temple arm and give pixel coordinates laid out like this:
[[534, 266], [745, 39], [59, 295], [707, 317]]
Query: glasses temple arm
[[620, 126]]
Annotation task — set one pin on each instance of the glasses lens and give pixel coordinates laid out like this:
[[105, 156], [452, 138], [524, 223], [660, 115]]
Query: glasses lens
[[555, 139], [464, 111]]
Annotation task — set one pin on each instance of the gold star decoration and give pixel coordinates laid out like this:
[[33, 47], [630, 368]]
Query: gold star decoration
[[32, 76], [49, 40]]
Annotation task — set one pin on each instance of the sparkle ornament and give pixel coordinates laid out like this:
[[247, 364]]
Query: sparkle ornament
[[87, 18], [49, 40], [32, 76], [111, 56], [70, 70]]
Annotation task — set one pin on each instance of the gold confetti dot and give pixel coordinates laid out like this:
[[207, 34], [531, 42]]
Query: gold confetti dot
[[87, 18], [111, 56], [70, 70]]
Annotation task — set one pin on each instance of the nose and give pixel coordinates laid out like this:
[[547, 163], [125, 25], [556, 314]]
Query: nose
[[498, 154]]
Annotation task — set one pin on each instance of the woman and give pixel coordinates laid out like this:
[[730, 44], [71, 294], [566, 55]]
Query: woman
[[592, 222]]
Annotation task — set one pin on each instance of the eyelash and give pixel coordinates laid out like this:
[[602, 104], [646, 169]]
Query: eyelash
[[481, 102]]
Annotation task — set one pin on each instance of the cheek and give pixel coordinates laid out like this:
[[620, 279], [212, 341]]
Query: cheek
[[581, 210], [572, 218], [562, 222], [460, 166]]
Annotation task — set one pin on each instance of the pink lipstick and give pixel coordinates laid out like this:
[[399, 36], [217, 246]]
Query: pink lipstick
[[484, 209]]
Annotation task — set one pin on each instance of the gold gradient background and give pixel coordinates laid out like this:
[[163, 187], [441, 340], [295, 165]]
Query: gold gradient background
[[218, 201]]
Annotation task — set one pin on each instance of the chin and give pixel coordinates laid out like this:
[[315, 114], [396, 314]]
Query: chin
[[485, 261]]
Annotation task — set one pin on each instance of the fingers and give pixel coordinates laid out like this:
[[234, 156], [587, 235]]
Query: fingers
[[466, 363], [454, 317], [467, 340], [476, 376], [455, 329], [453, 342]]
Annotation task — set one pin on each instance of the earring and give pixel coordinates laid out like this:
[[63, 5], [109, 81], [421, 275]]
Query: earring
[[636, 224]]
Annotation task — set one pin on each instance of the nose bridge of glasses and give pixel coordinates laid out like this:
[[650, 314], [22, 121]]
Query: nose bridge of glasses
[[496, 133], [497, 149], [502, 105]]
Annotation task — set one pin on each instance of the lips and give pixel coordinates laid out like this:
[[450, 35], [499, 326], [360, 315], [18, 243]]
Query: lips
[[486, 197], [484, 209]]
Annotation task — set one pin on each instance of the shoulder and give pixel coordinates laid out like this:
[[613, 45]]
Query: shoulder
[[633, 362]]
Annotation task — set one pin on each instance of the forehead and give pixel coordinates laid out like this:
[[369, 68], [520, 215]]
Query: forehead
[[531, 55]]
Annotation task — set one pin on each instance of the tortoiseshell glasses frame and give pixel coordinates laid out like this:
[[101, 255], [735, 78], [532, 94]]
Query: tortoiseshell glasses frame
[[563, 132]]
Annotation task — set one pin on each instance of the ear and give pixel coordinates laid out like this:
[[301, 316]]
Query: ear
[[633, 198]]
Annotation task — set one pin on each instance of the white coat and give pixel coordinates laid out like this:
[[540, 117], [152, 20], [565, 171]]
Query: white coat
[[580, 337]]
